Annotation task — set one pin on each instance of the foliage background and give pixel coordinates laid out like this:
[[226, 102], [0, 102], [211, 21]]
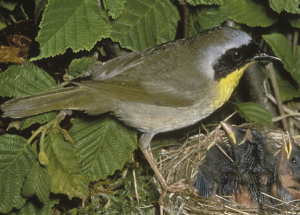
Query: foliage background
[[83, 158]]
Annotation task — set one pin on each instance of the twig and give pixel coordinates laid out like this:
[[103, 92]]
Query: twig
[[277, 95], [135, 184], [295, 42], [271, 97], [227, 118], [282, 202], [275, 119], [62, 114], [205, 129], [147, 206], [290, 121], [186, 18], [222, 150], [236, 210], [199, 139], [224, 199]]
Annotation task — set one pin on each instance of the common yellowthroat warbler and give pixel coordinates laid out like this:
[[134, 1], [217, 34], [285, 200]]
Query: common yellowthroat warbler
[[159, 89]]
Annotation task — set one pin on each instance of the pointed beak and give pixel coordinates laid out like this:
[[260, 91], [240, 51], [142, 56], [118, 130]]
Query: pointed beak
[[217, 139], [230, 133], [248, 137], [264, 56]]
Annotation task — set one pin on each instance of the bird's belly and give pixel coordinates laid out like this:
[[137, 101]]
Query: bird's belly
[[152, 118]]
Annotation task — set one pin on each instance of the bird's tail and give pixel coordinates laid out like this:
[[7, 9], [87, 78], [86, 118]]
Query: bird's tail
[[75, 98]]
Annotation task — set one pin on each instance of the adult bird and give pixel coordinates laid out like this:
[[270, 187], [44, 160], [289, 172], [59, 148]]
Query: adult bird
[[158, 89]]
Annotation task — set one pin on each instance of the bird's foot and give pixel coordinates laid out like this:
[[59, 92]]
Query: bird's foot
[[174, 188]]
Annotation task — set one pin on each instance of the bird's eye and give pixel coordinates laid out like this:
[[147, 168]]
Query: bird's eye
[[293, 160], [237, 55]]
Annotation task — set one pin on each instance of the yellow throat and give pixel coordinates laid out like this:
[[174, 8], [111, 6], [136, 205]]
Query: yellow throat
[[227, 85]]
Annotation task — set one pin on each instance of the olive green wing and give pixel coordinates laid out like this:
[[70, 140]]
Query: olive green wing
[[153, 93], [152, 76]]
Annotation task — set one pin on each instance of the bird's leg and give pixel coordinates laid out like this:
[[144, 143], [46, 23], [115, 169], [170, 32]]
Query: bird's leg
[[145, 147]]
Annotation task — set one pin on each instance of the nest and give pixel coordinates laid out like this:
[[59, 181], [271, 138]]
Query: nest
[[184, 162]]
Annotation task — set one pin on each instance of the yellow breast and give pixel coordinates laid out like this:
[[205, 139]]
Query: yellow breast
[[227, 85]]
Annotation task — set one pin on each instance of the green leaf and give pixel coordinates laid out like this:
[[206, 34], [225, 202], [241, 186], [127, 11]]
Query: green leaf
[[253, 112], [9, 5], [114, 7], [39, 7], [33, 208], [79, 66], [286, 89], [206, 17], [63, 169], [37, 183], [145, 23], [16, 159], [282, 49], [103, 146], [204, 2], [286, 85], [40, 119], [293, 19], [251, 13], [290, 6], [23, 80], [75, 24]]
